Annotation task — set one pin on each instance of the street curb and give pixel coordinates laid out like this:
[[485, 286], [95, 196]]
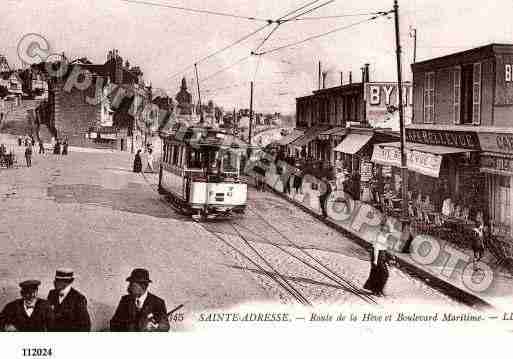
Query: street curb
[[429, 279]]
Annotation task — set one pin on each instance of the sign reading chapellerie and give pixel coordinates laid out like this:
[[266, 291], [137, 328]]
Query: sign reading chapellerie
[[461, 139], [426, 163]]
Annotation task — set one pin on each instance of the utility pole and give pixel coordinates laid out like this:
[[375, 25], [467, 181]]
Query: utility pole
[[250, 114], [404, 168], [199, 94]]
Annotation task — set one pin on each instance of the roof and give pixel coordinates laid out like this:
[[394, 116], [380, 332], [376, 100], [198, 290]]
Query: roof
[[470, 55], [352, 87], [310, 135], [290, 137]]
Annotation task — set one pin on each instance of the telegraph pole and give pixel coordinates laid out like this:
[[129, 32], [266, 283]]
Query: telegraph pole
[[199, 94], [250, 114], [404, 168]]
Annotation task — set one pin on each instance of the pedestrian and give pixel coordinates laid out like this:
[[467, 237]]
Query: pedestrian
[[286, 185], [68, 304], [138, 162], [57, 147], [28, 314], [323, 198], [298, 182], [140, 310], [378, 275], [41, 148], [28, 156], [149, 160], [19, 141], [65, 147], [478, 244]]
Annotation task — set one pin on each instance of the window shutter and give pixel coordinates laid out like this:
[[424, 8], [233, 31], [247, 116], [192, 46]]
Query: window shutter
[[476, 95], [429, 97], [457, 96]]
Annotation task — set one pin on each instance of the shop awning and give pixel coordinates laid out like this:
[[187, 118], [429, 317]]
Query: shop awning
[[290, 137], [353, 143], [307, 137], [334, 131], [424, 159]]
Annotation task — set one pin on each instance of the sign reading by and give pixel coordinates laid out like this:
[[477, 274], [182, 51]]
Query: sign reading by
[[507, 72], [382, 104], [425, 163], [460, 139]]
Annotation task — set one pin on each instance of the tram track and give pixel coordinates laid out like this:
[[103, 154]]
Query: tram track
[[262, 266]]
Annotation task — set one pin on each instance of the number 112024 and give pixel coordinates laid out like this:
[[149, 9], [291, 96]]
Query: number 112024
[[37, 352]]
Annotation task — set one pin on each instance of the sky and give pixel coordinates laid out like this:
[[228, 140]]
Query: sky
[[166, 42]]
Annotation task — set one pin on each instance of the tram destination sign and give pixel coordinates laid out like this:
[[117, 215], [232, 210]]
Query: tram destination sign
[[461, 139]]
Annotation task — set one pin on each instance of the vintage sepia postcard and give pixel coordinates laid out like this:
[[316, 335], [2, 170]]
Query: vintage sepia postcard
[[235, 172]]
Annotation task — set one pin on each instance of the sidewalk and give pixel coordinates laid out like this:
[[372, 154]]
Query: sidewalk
[[440, 264]]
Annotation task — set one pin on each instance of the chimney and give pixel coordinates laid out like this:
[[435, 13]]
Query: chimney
[[367, 74], [324, 74], [363, 74], [319, 78], [350, 77], [341, 78]]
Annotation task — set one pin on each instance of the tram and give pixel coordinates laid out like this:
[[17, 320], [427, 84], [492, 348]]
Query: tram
[[200, 171]]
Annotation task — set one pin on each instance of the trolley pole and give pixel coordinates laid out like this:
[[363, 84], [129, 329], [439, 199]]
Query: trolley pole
[[404, 169], [199, 94], [250, 114]]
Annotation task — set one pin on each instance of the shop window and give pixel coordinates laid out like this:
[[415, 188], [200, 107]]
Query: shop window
[[429, 97], [501, 203]]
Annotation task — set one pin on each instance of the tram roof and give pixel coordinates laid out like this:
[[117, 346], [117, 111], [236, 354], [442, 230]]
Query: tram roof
[[206, 136]]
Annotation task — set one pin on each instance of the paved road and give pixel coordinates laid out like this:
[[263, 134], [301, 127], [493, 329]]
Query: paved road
[[88, 211]]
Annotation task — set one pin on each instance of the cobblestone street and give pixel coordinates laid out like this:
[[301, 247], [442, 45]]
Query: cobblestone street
[[88, 211]]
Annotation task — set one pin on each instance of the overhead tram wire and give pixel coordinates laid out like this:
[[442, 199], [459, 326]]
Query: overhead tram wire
[[220, 50], [309, 11], [269, 22], [199, 11], [324, 34], [336, 16]]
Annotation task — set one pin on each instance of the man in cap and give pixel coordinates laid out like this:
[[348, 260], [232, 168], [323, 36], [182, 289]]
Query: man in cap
[[28, 314], [68, 304], [140, 310]]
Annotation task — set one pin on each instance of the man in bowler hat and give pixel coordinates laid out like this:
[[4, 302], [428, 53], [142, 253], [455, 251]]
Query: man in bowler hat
[[28, 314], [68, 304], [140, 310]]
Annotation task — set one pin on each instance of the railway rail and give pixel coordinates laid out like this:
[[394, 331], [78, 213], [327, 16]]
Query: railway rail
[[262, 266]]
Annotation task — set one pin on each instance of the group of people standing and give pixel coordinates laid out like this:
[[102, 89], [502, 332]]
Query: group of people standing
[[65, 309], [138, 164], [60, 147]]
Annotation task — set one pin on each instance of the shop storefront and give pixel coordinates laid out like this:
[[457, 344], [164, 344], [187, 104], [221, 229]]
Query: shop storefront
[[497, 166], [437, 173], [353, 155], [331, 138]]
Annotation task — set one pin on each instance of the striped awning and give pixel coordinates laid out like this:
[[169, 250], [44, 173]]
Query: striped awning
[[290, 137]]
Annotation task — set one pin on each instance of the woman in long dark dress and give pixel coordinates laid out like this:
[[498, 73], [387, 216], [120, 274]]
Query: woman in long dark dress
[[57, 148], [138, 162], [379, 271], [65, 147]]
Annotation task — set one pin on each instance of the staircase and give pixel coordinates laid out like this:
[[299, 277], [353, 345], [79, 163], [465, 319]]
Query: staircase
[[15, 121]]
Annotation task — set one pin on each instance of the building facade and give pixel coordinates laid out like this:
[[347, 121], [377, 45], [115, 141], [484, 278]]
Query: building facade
[[98, 105], [459, 146]]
